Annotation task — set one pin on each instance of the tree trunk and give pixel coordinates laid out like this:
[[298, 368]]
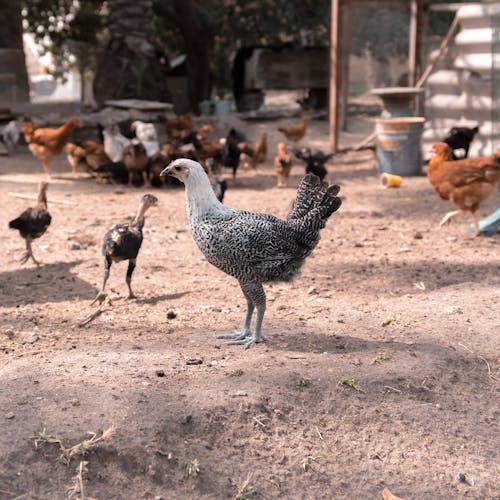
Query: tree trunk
[[127, 65], [196, 29], [14, 84]]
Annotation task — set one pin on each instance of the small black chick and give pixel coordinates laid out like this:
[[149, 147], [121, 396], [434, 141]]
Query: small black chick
[[230, 152], [114, 172], [460, 138], [219, 185], [315, 161], [33, 222], [123, 242]]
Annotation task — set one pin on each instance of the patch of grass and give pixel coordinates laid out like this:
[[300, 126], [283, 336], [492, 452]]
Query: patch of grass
[[419, 386], [244, 488], [351, 382], [235, 373], [309, 461], [84, 447], [79, 449], [77, 487], [43, 438], [381, 357], [193, 468], [304, 382]]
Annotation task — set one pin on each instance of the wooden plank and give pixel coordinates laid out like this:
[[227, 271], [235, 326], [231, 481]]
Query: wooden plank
[[139, 104], [334, 74]]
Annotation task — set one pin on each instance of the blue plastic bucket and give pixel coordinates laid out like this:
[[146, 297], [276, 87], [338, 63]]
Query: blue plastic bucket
[[399, 145]]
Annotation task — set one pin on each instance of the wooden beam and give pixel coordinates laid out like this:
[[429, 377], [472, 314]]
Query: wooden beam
[[339, 67], [413, 43], [334, 74]]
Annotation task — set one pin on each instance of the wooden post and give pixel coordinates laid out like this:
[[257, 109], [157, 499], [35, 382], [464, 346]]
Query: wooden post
[[413, 44], [340, 41]]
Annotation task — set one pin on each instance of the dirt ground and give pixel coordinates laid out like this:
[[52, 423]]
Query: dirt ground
[[380, 367]]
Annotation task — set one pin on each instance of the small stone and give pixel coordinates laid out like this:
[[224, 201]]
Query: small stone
[[214, 362], [451, 238], [238, 394], [462, 478], [404, 250], [159, 373], [187, 419], [9, 415], [358, 245], [418, 236], [312, 290], [74, 245], [30, 339], [216, 309], [9, 333], [171, 314], [73, 402], [453, 310], [194, 361]]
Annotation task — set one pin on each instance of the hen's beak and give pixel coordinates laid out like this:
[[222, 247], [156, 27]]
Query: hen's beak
[[166, 171]]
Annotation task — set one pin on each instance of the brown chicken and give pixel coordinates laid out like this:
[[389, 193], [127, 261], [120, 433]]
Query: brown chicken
[[204, 131], [136, 160], [179, 127], [254, 154], [296, 132], [283, 165], [95, 154], [47, 142], [76, 158], [208, 149], [466, 183]]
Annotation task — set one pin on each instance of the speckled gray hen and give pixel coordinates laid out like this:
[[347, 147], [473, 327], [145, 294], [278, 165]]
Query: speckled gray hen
[[252, 247]]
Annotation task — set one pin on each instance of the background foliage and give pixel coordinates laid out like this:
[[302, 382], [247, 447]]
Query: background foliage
[[70, 29]]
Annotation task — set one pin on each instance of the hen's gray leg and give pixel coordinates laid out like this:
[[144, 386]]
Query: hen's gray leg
[[245, 333], [254, 293]]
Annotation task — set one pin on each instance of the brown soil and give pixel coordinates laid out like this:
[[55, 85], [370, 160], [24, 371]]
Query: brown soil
[[288, 411]]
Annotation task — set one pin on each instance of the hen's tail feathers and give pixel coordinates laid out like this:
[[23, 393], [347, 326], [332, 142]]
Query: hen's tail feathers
[[330, 202], [15, 223], [313, 193]]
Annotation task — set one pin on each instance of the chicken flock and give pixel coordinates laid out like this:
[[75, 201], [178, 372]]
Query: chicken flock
[[252, 247]]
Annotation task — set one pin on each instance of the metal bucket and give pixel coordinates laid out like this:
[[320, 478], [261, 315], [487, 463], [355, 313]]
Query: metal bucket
[[398, 145]]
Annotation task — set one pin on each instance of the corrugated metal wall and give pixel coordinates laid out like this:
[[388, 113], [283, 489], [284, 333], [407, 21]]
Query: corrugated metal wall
[[465, 89]]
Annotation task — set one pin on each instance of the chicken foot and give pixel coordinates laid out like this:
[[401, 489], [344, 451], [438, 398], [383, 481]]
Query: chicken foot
[[28, 254], [449, 216], [256, 298]]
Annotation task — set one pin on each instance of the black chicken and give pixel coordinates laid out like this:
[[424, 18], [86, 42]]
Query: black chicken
[[219, 185], [230, 152], [33, 222], [123, 242], [315, 161], [460, 138]]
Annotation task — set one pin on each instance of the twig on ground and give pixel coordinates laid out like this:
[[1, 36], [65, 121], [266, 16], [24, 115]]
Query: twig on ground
[[96, 313], [481, 358], [319, 433], [391, 388], [259, 422]]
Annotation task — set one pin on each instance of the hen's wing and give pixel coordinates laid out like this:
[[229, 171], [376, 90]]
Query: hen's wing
[[251, 246], [464, 172]]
